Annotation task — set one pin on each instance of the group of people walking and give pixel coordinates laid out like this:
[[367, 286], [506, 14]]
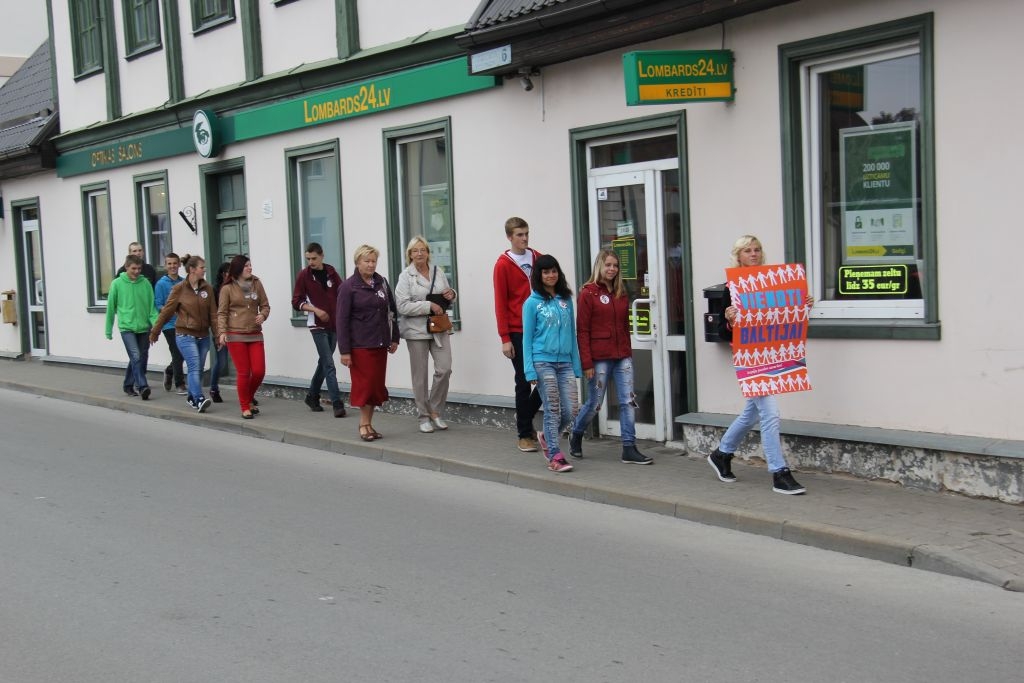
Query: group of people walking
[[551, 346], [551, 341], [360, 317], [189, 308]]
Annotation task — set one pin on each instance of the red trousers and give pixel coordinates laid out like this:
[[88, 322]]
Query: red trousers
[[251, 365]]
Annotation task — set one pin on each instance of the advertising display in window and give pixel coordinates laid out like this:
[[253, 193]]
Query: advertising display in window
[[865, 198], [879, 173]]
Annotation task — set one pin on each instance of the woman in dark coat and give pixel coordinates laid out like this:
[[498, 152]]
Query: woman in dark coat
[[367, 328]]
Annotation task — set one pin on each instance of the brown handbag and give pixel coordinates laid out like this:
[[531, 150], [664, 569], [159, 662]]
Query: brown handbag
[[440, 322]]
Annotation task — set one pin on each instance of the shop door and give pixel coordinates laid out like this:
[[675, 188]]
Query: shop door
[[625, 215], [234, 238], [32, 285], [623, 206], [232, 233]]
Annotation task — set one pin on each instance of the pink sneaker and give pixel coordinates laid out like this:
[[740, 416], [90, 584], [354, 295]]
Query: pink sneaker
[[558, 464], [543, 443]]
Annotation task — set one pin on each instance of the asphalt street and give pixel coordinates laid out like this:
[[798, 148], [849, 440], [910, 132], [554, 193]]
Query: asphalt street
[[138, 549]]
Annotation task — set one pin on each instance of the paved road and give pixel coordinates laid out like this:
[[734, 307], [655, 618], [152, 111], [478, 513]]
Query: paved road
[[137, 550]]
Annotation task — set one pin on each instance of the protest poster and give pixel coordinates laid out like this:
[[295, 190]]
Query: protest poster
[[769, 334]]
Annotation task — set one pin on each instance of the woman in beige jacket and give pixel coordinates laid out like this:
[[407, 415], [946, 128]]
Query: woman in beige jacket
[[242, 310]]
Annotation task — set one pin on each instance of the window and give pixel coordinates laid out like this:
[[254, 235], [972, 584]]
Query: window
[[859, 178], [209, 13], [314, 204], [87, 43], [141, 26], [99, 242], [153, 217], [420, 194]]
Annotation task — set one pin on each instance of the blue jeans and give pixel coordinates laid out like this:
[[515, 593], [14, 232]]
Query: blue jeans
[[621, 371], [557, 387], [220, 364], [325, 341], [194, 350], [137, 346], [768, 410]]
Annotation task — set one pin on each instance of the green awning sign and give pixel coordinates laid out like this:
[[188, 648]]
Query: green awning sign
[[672, 76], [385, 93]]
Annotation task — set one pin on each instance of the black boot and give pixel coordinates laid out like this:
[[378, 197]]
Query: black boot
[[631, 456], [576, 444], [314, 403], [339, 408], [722, 464]]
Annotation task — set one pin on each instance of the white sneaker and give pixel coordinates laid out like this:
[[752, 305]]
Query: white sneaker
[[426, 427], [439, 423]]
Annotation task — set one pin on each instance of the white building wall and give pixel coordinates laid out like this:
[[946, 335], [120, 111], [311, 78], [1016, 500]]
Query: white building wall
[[511, 157], [298, 33], [83, 102], [143, 78], [387, 21], [213, 58]]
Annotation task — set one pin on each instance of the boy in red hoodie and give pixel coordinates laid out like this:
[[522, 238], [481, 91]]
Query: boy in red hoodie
[[511, 288]]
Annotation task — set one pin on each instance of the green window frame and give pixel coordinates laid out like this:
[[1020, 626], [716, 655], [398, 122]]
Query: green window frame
[[314, 207], [86, 36], [99, 244], [420, 196], [153, 216], [208, 14], [141, 26], [819, 78]]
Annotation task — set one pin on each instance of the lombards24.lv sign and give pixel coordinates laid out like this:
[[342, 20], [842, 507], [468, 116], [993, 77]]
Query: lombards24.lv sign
[[664, 77]]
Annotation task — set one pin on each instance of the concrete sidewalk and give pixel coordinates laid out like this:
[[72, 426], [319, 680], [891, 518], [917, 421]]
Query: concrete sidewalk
[[951, 534]]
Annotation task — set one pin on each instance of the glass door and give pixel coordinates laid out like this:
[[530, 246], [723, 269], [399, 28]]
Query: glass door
[[35, 297], [625, 216]]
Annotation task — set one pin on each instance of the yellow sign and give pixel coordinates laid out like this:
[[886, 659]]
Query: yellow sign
[[679, 91]]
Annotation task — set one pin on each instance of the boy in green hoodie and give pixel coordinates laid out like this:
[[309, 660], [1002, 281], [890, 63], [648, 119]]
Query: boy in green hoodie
[[131, 300]]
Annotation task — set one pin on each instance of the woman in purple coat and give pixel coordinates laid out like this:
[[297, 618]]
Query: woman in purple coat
[[366, 322]]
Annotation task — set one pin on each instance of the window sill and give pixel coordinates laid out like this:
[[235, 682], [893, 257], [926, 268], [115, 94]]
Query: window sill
[[88, 73], [96, 308], [874, 329], [212, 24], [141, 51]]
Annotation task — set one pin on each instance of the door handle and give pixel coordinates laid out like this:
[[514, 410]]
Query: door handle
[[634, 318]]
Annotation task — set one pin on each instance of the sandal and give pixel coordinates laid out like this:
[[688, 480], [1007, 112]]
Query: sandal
[[366, 432], [246, 415], [254, 410], [376, 434]]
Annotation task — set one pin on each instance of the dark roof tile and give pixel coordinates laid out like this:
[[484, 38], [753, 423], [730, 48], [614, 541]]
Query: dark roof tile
[[26, 102], [494, 12]]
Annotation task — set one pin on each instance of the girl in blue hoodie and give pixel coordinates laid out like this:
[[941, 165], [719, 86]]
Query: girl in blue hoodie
[[550, 356]]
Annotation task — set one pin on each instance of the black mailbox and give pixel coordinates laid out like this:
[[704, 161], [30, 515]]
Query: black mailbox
[[715, 329]]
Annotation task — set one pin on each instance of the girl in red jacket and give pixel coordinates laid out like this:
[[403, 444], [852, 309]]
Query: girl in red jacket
[[602, 333]]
